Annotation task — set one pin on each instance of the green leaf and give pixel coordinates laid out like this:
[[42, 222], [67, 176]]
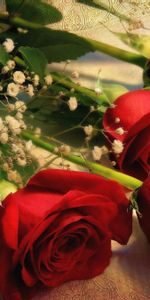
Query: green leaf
[[35, 59], [6, 188], [4, 56], [61, 45], [136, 41], [63, 52], [56, 45], [113, 91], [33, 10]]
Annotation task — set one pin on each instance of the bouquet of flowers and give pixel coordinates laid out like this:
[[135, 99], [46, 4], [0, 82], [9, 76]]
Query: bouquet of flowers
[[57, 224]]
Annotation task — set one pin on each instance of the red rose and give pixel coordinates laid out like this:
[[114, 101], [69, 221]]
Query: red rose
[[132, 114], [59, 228], [143, 200]]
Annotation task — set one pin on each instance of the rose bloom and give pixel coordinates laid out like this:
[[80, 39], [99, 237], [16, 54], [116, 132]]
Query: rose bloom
[[59, 228], [143, 200], [132, 114]]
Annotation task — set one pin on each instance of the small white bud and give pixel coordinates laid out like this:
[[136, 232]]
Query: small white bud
[[48, 79], [113, 163], [13, 89], [30, 90], [11, 64], [19, 116], [61, 94], [98, 91], [1, 88], [37, 131], [36, 80], [97, 153], [88, 130], [120, 131], [117, 146], [23, 126], [10, 107], [9, 45], [5, 167], [65, 149], [21, 162], [112, 105], [117, 120], [75, 74], [28, 146], [20, 106], [104, 150], [5, 70], [4, 138], [13, 124], [73, 103], [19, 77], [22, 30], [92, 108], [15, 148], [14, 176]]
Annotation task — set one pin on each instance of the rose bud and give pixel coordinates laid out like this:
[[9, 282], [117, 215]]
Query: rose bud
[[59, 228], [128, 122], [143, 200]]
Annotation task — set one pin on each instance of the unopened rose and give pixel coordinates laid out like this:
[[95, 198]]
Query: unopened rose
[[59, 228], [129, 122]]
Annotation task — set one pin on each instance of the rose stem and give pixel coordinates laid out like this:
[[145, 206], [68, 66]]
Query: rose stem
[[71, 85], [87, 92], [125, 180], [118, 53], [94, 45]]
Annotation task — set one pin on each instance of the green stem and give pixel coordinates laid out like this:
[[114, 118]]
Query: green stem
[[19, 61], [118, 53], [126, 180], [71, 85], [87, 92], [19, 22]]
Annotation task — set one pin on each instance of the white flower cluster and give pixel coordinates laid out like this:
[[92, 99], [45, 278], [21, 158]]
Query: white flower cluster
[[20, 81], [19, 155], [13, 82], [12, 125], [9, 45], [97, 152]]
